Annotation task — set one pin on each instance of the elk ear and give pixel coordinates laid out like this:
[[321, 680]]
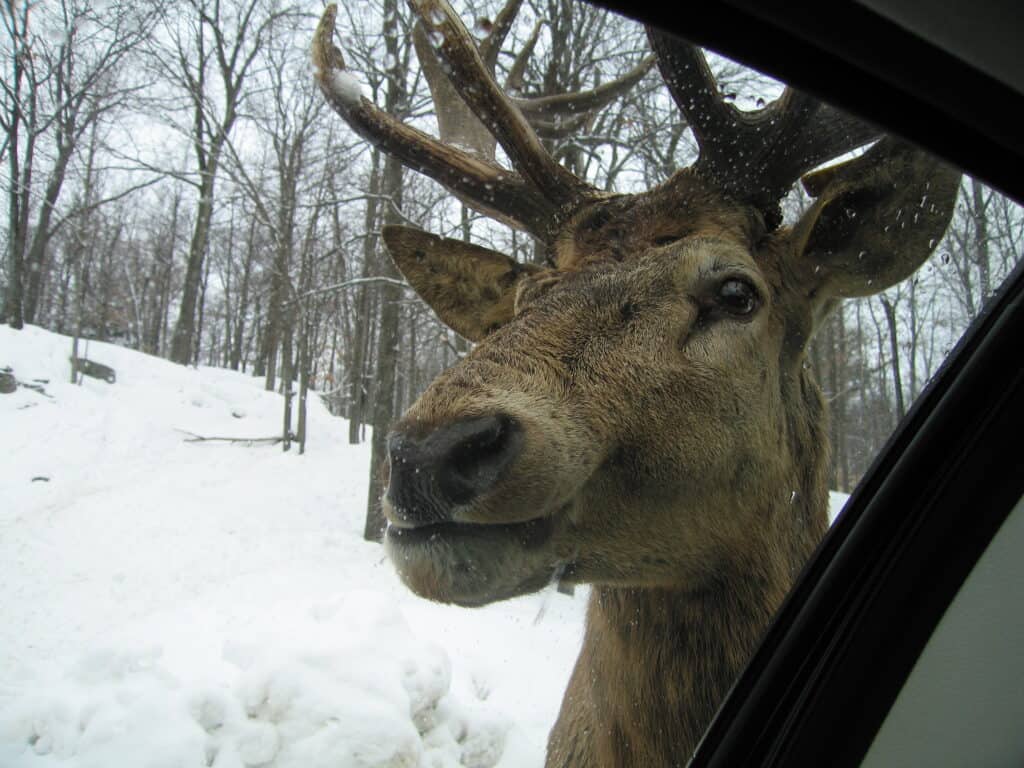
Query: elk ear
[[876, 219], [472, 289]]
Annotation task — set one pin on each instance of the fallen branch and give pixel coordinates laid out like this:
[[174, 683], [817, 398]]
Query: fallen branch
[[35, 388], [9, 383], [194, 438]]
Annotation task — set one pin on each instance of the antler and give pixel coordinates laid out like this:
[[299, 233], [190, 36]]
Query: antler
[[470, 78], [554, 116], [753, 156], [493, 190], [535, 198]]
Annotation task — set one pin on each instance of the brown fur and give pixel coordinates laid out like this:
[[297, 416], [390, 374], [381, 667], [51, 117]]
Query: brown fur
[[675, 455]]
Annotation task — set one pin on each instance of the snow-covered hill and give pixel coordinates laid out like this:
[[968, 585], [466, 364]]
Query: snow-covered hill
[[167, 603], [175, 604]]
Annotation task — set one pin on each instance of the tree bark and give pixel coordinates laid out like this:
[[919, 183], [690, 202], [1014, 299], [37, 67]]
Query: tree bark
[[390, 297], [890, 317], [286, 385], [243, 299], [304, 345], [184, 330], [979, 205], [389, 294], [357, 400]]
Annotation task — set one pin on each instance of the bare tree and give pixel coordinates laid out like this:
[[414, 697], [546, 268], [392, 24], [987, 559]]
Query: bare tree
[[64, 80], [213, 48]]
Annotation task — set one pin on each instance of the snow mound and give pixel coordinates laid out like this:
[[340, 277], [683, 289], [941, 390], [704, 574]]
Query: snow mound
[[370, 696], [173, 603]]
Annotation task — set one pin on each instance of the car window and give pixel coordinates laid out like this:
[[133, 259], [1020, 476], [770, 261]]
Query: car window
[[596, 331], [964, 680]]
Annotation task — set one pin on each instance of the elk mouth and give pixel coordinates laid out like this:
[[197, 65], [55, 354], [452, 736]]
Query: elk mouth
[[472, 564], [528, 533]]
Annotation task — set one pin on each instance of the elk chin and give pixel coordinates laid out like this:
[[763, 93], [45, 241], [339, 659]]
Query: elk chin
[[473, 564]]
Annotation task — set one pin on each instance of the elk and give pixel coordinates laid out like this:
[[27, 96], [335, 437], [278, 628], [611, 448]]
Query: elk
[[638, 414]]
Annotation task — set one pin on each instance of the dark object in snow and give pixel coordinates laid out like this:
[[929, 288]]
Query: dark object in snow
[[35, 388], [9, 382], [40, 479], [94, 369]]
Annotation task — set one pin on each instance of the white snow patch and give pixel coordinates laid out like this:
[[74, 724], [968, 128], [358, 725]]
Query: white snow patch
[[836, 501], [193, 604], [346, 88]]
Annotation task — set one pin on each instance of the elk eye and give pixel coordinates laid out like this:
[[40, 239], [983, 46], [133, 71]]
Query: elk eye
[[737, 297], [666, 240]]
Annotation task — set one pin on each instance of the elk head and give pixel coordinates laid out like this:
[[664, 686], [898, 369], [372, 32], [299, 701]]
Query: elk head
[[638, 412]]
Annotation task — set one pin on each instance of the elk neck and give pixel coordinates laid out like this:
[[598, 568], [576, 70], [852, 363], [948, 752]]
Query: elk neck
[[662, 660], [657, 661]]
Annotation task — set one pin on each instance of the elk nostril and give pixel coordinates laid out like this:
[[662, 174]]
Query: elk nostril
[[432, 472], [478, 451]]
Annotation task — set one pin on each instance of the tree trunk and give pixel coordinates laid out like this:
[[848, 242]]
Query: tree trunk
[[304, 345], [389, 294], [184, 330], [390, 297], [980, 210], [18, 185], [890, 317], [276, 328], [839, 405], [286, 385], [357, 384], [35, 261], [200, 313], [243, 299]]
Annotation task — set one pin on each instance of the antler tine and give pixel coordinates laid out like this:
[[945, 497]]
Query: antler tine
[[494, 108], [753, 156], [514, 81], [490, 46], [484, 185], [560, 128], [585, 101], [827, 134], [693, 87]]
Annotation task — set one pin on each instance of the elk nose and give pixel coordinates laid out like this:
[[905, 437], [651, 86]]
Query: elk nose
[[449, 466]]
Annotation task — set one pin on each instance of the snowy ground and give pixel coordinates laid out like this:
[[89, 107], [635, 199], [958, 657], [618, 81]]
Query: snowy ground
[[180, 604]]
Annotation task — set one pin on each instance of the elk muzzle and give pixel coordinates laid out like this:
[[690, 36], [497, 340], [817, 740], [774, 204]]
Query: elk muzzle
[[434, 474], [453, 534]]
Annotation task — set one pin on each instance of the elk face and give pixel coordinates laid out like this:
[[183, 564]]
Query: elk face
[[623, 398], [630, 416]]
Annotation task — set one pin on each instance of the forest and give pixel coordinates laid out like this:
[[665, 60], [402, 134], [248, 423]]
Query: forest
[[177, 184]]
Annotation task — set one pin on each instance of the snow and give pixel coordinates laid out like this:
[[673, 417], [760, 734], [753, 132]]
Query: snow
[[210, 604], [174, 604], [836, 501], [346, 88]]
